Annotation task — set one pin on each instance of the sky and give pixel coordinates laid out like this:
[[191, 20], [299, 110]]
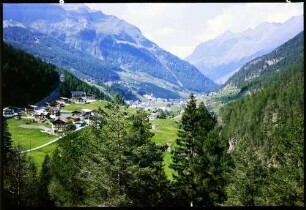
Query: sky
[[180, 27]]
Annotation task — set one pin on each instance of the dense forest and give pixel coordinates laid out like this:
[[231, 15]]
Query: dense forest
[[123, 91], [72, 83], [19, 71], [266, 131], [32, 79]]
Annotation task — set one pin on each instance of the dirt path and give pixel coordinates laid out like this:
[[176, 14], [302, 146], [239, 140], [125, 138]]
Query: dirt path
[[34, 127], [48, 143]]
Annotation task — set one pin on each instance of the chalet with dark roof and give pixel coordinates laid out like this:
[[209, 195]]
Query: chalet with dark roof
[[59, 125]]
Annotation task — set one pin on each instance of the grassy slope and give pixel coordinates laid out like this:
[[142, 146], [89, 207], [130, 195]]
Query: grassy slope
[[28, 137], [166, 133], [39, 154], [93, 106]]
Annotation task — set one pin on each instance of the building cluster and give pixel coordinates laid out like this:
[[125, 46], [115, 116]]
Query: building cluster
[[52, 112], [148, 100], [152, 104]]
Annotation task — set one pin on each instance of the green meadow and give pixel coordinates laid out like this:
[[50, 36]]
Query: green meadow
[[28, 137], [92, 106], [166, 132], [39, 155]]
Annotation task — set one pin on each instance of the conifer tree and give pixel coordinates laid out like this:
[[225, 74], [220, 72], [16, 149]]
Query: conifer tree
[[133, 162], [184, 152], [210, 168], [143, 169], [7, 142], [44, 180], [247, 179], [7, 154], [200, 159]]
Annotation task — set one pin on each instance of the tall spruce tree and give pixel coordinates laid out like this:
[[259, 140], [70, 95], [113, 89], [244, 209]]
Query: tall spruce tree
[[200, 158], [143, 169], [6, 153], [211, 171], [183, 153], [20, 181], [7, 142], [44, 181], [133, 162], [76, 179]]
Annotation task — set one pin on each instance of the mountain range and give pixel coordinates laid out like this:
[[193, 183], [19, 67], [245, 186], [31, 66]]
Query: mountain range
[[222, 56], [100, 47], [264, 69]]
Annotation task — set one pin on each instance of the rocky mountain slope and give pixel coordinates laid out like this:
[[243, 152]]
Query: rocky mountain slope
[[102, 47], [262, 70]]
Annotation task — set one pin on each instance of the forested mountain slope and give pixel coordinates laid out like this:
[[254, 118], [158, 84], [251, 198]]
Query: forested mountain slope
[[266, 134], [58, 53], [27, 80], [261, 71]]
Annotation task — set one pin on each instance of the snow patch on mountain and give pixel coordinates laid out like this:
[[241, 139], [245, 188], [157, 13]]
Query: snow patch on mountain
[[129, 43], [11, 23]]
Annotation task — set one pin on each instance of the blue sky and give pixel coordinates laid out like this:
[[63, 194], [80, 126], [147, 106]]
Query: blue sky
[[180, 27]]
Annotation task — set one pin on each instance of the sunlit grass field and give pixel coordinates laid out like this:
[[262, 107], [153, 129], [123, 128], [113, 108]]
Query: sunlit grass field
[[39, 155], [28, 137], [166, 133], [92, 106]]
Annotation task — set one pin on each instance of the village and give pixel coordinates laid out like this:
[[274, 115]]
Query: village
[[52, 113], [153, 105]]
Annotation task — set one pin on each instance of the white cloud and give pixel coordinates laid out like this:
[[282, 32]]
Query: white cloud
[[182, 51], [179, 27], [239, 17]]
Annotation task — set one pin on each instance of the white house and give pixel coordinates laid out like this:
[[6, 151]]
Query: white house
[[153, 116], [7, 112]]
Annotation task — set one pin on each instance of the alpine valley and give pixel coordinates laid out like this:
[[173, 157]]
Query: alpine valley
[[97, 115], [222, 56], [100, 48]]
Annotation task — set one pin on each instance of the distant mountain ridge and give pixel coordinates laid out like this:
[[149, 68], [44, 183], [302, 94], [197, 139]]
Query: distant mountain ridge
[[221, 57], [264, 68], [123, 53]]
